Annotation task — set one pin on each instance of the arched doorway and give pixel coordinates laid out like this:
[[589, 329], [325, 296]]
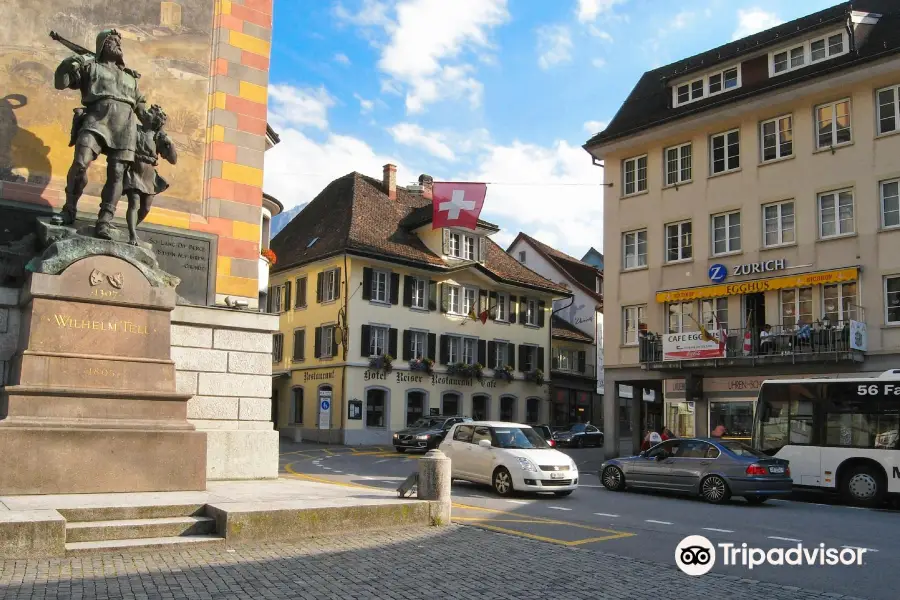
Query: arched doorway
[[481, 406], [451, 404], [416, 405], [508, 408]]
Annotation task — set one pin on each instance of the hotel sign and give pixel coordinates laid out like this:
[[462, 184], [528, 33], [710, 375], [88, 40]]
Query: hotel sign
[[759, 285]]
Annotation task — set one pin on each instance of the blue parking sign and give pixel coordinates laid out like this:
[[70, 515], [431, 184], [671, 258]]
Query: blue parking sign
[[326, 404]]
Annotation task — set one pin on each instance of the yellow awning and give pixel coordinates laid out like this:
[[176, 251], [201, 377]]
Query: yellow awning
[[760, 285]]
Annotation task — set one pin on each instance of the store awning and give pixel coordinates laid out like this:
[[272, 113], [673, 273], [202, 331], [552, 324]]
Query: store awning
[[759, 285]]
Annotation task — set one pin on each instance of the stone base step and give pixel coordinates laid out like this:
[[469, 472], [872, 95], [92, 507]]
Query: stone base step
[[94, 531], [112, 546], [128, 513]]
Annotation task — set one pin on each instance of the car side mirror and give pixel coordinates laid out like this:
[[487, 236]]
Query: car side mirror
[[484, 443]]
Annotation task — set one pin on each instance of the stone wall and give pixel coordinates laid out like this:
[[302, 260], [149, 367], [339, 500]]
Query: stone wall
[[224, 358], [9, 329]]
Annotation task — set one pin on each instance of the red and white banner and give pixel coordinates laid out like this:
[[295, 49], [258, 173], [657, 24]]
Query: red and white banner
[[692, 345], [457, 204]]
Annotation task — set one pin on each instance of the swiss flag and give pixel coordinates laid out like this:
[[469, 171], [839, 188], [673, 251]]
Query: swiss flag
[[457, 204]]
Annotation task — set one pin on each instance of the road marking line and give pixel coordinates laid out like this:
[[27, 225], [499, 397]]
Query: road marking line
[[339, 472], [381, 461], [657, 522], [367, 478], [518, 502], [860, 548], [718, 530], [607, 515], [783, 539], [589, 486], [328, 468], [559, 508]]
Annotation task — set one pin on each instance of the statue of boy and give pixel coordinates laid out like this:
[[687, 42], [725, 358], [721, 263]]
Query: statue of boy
[[108, 125], [142, 182]]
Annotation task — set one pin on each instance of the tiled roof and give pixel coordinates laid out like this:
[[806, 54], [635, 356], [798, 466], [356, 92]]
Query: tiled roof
[[354, 215], [649, 103], [583, 274], [563, 330]]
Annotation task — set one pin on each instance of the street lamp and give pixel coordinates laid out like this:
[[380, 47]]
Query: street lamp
[[826, 322]]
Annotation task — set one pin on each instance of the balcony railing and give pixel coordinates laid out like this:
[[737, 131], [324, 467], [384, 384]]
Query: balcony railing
[[782, 344], [589, 369]]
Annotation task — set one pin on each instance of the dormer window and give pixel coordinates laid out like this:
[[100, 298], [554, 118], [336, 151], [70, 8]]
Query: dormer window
[[804, 53], [463, 245], [710, 84]]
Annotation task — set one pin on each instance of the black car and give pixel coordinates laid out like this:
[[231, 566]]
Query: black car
[[426, 433], [579, 435]]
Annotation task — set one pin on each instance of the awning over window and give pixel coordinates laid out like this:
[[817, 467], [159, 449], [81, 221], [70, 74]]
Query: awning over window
[[760, 285]]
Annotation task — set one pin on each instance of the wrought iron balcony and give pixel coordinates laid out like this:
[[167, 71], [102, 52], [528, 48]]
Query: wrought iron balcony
[[776, 345]]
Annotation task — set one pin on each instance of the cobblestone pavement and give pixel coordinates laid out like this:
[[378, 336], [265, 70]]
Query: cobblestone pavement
[[452, 562]]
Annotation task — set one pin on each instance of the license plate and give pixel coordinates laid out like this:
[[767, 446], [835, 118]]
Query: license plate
[[778, 470], [557, 475]]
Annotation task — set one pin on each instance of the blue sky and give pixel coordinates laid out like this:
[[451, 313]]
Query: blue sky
[[503, 91]]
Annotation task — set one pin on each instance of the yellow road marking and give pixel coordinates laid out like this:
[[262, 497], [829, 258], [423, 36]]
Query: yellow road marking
[[290, 469]]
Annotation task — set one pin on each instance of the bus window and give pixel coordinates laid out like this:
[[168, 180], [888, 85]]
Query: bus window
[[857, 425], [801, 417], [772, 419]]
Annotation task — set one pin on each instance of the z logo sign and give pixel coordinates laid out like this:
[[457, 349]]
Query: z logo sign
[[717, 273]]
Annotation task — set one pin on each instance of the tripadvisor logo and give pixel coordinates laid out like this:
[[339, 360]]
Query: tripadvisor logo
[[695, 555]]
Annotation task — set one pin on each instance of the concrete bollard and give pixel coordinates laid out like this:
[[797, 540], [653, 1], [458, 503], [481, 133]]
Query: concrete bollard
[[434, 485]]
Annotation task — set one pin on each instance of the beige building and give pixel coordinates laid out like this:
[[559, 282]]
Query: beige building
[[752, 222]]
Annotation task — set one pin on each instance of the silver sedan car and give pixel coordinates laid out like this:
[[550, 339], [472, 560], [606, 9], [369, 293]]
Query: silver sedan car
[[713, 468]]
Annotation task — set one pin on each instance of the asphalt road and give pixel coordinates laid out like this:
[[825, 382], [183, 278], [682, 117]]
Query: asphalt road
[[644, 525]]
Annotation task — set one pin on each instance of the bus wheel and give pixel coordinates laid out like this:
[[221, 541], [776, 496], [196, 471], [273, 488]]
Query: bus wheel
[[863, 486]]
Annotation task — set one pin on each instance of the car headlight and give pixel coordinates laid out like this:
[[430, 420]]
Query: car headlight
[[423, 437], [526, 464]]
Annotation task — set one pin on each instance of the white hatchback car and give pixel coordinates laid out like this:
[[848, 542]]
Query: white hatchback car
[[510, 457]]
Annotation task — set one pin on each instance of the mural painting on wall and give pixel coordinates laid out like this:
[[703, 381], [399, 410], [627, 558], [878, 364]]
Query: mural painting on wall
[[167, 42]]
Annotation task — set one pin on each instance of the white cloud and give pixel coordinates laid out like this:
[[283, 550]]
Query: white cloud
[[365, 106], [291, 106], [599, 62], [371, 13], [754, 20], [599, 33], [554, 46], [682, 20], [593, 127], [589, 10], [410, 134], [342, 58]]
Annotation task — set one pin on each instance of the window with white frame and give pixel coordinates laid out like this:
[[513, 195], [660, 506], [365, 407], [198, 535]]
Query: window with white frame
[[778, 224], [329, 285], [714, 313], [634, 172], [380, 286], [681, 317], [632, 318], [888, 101], [707, 85], [276, 293], [892, 299], [566, 359], [468, 247], [455, 244], [419, 293], [326, 343], [501, 311], [807, 52], [679, 245], [777, 138], [833, 124], [454, 349], [836, 213], [839, 302], [796, 307], [463, 246], [469, 351], [501, 354], [454, 299], [890, 203], [678, 164], [531, 312], [726, 233], [418, 344], [634, 252], [470, 300], [378, 340], [725, 152]]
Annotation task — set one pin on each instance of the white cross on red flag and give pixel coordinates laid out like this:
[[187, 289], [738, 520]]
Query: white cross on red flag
[[457, 204]]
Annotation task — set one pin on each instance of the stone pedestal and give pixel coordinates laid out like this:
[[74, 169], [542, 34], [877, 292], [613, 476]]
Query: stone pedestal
[[91, 405], [434, 484]]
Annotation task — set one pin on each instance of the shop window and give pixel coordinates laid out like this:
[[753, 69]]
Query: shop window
[[297, 406], [480, 407], [714, 313], [507, 408], [681, 317], [450, 404], [680, 418], [839, 302], [532, 410], [415, 406], [796, 307], [736, 417], [376, 408]]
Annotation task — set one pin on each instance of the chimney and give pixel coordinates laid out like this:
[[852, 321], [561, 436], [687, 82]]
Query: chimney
[[427, 183], [390, 181]]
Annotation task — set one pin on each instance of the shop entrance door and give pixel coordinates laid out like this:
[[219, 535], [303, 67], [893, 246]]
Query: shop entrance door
[[754, 312]]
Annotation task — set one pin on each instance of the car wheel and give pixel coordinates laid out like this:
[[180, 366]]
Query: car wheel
[[399, 449], [503, 484], [863, 486], [613, 479], [579, 443], [714, 490], [755, 500], [564, 493]]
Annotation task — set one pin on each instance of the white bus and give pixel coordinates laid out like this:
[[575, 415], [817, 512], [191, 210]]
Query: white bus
[[838, 434]]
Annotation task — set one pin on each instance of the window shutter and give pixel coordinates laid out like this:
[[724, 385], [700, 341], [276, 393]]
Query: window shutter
[[445, 307], [408, 290], [541, 306], [582, 361], [482, 353], [446, 243], [320, 281], [337, 283], [287, 296], [492, 355], [523, 310], [367, 284], [432, 295], [554, 360], [334, 344], [432, 346], [511, 309], [407, 342], [511, 355], [392, 342], [364, 341], [540, 358], [523, 357], [482, 301], [317, 351], [492, 304], [269, 300], [445, 349], [482, 249], [395, 288], [301, 293], [299, 338]]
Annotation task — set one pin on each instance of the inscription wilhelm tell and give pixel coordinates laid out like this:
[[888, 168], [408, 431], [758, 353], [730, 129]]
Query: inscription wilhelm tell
[[69, 322]]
